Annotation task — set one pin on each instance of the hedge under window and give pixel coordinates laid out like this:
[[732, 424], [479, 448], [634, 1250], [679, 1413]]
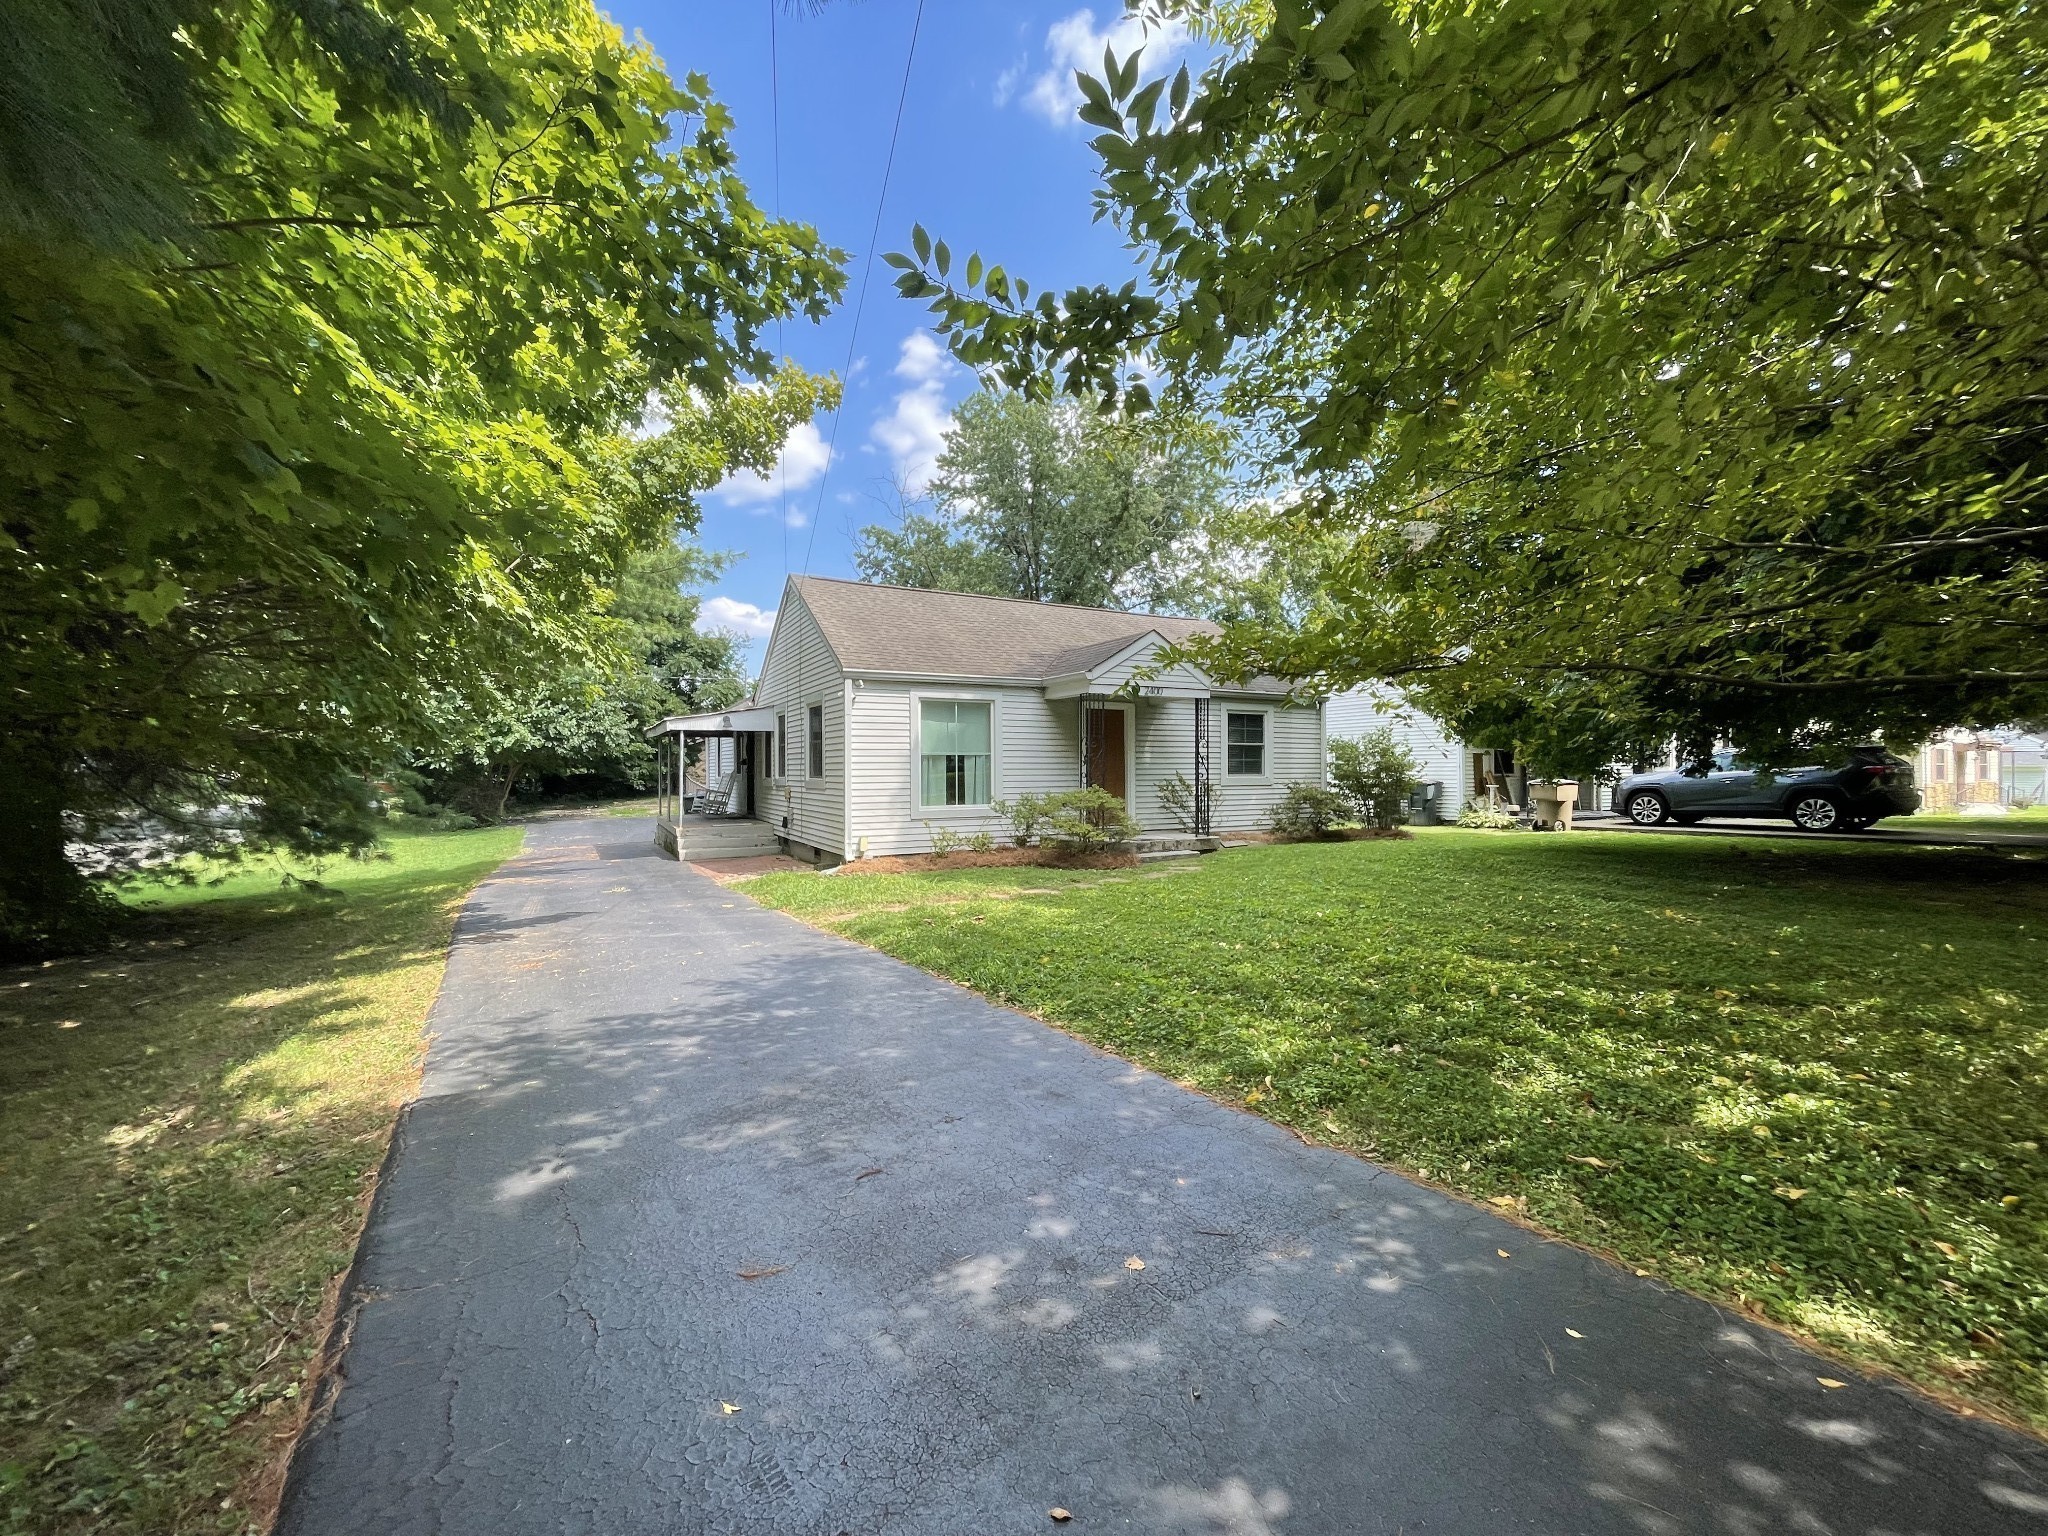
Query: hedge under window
[[954, 755], [1244, 744]]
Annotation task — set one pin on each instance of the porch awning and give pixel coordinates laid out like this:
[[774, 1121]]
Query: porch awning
[[728, 722]]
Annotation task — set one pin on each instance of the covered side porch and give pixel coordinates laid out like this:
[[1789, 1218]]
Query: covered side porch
[[705, 773]]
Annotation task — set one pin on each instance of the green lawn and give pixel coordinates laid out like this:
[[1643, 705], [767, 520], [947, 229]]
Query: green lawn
[[1810, 1080], [190, 1123], [2033, 819]]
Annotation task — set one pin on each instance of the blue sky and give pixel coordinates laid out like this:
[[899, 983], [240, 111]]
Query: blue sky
[[991, 157]]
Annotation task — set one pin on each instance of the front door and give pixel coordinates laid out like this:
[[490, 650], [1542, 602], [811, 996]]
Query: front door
[[1106, 753]]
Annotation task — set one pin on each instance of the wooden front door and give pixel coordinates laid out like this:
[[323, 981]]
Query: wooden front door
[[1106, 754]]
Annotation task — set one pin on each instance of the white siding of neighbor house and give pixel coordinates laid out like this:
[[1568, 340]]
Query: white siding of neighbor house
[[799, 671], [1440, 757]]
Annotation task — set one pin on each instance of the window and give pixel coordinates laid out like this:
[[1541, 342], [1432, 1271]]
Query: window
[[814, 739], [954, 757], [782, 746], [1244, 744]]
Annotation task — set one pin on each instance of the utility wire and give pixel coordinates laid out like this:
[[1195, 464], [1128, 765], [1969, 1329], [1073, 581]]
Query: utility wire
[[775, 141], [867, 271]]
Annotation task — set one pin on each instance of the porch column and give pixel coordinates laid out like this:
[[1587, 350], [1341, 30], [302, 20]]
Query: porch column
[[1202, 814]]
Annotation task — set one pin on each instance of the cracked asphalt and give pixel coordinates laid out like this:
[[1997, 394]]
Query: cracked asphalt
[[708, 1222]]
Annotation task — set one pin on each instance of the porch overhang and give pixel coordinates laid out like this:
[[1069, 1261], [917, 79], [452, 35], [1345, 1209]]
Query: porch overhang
[[1130, 671], [729, 722]]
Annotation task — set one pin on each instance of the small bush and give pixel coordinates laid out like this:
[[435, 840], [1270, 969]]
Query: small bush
[[981, 842], [944, 839], [1025, 814], [1309, 810], [1084, 820], [1177, 795], [1487, 818], [1376, 773]]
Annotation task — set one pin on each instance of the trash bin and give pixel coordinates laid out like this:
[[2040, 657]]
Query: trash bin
[[1425, 802], [1552, 800]]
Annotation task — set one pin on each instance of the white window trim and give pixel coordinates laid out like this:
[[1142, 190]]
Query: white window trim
[[1265, 775], [824, 765], [918, 809]]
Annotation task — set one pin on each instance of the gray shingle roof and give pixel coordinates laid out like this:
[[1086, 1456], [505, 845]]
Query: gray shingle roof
[[961, 634]]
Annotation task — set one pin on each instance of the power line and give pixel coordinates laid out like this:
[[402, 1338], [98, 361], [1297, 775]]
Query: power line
[[867, 271], [775, 141]]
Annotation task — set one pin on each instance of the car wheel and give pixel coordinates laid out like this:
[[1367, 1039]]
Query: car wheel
[[1815, 812], [1646, 808]]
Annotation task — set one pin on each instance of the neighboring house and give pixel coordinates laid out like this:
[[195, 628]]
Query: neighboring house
[[2005, 768], [885, 712], [1440, 758]]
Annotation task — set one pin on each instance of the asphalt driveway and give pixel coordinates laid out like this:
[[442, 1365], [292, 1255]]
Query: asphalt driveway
[[706, 1222]]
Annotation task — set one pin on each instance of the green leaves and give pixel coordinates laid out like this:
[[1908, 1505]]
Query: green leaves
[[1716, 373], [341, 442]]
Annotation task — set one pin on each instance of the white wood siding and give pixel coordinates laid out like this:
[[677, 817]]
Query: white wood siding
[[1294, 755], [1440, 756], [1034, 749], [799, 671]]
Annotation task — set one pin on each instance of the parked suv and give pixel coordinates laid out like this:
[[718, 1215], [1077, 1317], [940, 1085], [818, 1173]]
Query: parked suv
[[1872, 785]]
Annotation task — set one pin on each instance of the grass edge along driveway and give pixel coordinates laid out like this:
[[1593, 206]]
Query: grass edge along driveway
[[192, 1120], [1809, 1081]]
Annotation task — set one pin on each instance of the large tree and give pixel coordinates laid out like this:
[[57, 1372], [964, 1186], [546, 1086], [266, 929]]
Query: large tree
[[1061, 503], [1663, 370], [309, 365]]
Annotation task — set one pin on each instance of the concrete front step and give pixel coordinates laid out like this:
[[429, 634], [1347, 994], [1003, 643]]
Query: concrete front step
[[1174, 842]]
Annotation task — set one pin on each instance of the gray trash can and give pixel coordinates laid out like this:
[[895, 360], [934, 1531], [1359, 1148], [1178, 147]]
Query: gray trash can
[[1425, 802]]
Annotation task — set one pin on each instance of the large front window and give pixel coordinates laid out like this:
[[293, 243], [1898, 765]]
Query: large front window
[[1244, 743], [955, 765]]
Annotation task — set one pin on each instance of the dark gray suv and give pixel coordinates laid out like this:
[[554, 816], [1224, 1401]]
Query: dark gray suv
[[1872, 785]]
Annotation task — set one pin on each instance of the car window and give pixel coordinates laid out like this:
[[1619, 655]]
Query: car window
[[1723, 761]]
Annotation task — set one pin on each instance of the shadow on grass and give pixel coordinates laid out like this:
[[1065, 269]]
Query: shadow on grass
[[189, 1121]]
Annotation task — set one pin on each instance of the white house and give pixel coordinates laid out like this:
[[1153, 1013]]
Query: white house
[[1992, 770], [1440, 757], [885, 712]]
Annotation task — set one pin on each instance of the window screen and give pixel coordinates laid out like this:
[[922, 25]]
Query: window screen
[[782, 746], [954, 757], [814, 739], [1244, 744]]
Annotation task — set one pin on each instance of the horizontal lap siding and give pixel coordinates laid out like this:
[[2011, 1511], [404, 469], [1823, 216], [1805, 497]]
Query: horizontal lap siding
[[1034, 754], [1439, 756], [799, 671], [1294, 755]]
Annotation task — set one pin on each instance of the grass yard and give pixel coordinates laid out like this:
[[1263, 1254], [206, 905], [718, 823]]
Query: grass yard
[[191, 1120], [1810, 1080], [2032, 819]]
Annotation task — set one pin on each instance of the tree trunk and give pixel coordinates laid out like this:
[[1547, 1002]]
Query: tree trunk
[[46, 905], [505, 789]]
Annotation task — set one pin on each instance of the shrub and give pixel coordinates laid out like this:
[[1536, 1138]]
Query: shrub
[[1083, 820], [981, 842], [1309, 810], [1487, 818], [1177, 794], [1025, 814], [1376, 773], [944, 839]]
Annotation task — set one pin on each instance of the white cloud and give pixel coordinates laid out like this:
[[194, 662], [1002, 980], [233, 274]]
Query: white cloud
[[1008, 81], [1075, 43], [913, 434], [922, 359], [732, 615], [803, 459]]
